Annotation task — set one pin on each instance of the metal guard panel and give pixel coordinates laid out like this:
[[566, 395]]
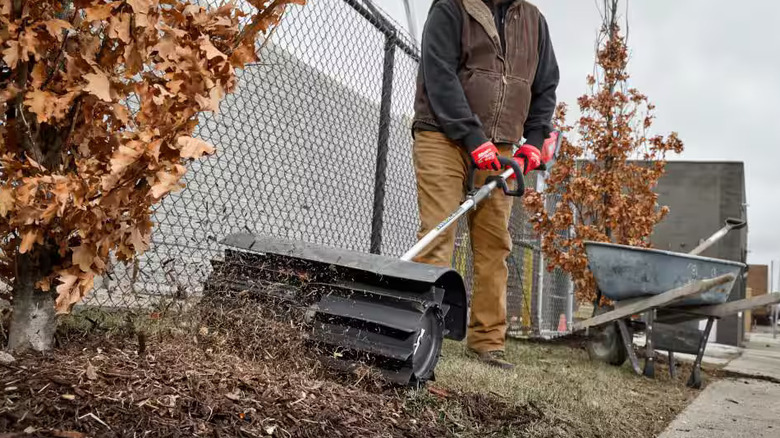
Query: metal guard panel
[[379, 265]]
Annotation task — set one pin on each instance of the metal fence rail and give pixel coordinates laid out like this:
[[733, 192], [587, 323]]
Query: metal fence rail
[[316, 145]]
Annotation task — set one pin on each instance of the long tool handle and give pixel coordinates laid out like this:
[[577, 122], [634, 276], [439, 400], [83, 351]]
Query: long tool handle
[[470, 203], [731, 224], [549, 152]]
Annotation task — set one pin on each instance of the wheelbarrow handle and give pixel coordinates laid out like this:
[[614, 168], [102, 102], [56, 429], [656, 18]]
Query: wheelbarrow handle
[[506, 164]]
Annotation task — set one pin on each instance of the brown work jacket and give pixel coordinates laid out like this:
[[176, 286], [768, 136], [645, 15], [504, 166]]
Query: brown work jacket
[[497, 85]]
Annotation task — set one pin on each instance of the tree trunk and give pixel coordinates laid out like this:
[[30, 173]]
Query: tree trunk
[[610, 19], [33, 318]]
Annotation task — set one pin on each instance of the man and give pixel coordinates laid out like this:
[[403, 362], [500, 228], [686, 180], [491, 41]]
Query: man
[[487, 79]]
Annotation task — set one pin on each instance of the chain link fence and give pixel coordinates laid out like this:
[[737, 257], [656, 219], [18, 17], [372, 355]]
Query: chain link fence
[[316, 146]]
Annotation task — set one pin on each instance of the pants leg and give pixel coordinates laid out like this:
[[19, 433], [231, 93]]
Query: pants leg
[[491, 245], [441, 171]]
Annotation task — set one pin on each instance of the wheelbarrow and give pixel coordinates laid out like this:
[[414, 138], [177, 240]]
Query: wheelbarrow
[[653, 291]]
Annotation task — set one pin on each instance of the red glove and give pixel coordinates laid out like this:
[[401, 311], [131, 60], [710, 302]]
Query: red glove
[[486, 157], [548, 148], [528, 157]]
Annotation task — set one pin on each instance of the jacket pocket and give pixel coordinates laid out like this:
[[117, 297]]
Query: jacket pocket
[[514, 110], [481, 88]]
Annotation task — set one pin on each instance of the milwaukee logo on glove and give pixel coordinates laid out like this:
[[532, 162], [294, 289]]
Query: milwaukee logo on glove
[[486, 157]]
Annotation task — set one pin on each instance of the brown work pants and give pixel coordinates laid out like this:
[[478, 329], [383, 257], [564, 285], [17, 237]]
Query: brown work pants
[[442, 170]]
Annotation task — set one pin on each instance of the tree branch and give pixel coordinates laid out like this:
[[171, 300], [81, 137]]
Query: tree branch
[[22, 73], [74, 116], [252, 28], [75, 18]]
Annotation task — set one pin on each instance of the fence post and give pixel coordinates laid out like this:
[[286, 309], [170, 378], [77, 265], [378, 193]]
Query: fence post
[[540, 288], [773, 316], [540, 182], [569, 302], [380, 177]]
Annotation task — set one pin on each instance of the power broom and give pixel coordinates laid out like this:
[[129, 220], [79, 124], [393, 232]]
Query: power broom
[[389, 313]]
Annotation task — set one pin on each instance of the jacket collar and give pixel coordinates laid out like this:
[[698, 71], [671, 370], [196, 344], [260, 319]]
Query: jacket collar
[[482, 14]]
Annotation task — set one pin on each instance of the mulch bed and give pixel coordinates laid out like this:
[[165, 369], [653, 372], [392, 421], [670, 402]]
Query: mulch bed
[[177, 389], [230, 374]]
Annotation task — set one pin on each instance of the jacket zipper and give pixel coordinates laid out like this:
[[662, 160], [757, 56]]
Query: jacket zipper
[[504, 61], [500, 104]]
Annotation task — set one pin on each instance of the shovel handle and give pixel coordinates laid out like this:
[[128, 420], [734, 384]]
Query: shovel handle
[[731, 224], [735, 223], [501, 181]]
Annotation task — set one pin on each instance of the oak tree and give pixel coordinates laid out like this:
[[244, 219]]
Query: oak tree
[[605, 174], [100, 99]]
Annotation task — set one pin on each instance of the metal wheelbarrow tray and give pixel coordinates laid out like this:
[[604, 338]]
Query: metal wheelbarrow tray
[[626, 272], [666, 288]]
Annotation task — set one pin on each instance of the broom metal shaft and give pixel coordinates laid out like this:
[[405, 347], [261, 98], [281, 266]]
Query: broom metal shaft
[[470, 203]]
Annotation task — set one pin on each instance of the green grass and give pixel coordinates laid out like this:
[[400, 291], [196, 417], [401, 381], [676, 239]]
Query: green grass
[[93, 320], [595, 399]]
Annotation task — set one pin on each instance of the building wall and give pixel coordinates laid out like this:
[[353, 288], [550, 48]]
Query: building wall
[[758, 281], [701, 195]]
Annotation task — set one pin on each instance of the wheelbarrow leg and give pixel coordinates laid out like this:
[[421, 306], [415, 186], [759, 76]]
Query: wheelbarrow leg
[[628, 343], [649, 349], [695, 379], [672, 369]]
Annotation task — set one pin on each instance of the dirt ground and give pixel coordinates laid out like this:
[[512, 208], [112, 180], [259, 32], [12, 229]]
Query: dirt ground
[[223, 372]]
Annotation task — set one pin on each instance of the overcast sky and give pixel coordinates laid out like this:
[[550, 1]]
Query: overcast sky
[[711, 68]]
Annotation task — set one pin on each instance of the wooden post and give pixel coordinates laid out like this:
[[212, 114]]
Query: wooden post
[[528, 286], [748, 313]]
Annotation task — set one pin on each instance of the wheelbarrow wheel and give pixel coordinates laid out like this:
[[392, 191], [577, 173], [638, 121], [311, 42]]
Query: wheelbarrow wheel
[[605, 343]]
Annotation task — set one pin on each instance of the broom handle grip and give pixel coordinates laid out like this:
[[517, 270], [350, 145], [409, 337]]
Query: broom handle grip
[[502, 178], [520, 191]]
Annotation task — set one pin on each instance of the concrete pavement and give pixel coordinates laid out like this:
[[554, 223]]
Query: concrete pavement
[[760, 357], [741, 407], [715, 354]]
